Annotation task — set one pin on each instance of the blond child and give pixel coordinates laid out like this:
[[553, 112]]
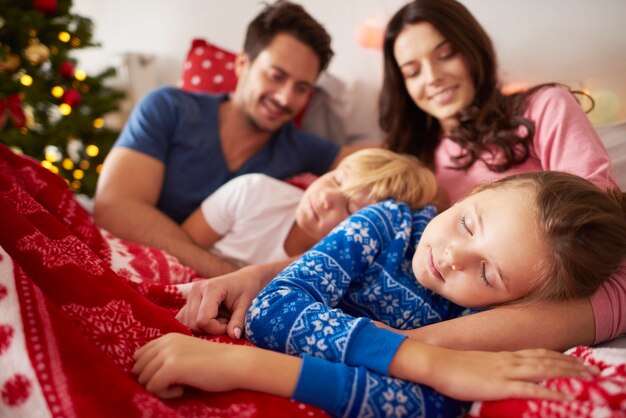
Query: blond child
[[256, 219]]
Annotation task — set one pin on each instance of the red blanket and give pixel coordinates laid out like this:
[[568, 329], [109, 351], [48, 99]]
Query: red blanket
[[75, 303]]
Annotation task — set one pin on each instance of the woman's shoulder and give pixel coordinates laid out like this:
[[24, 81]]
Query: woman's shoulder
[[552, 97]]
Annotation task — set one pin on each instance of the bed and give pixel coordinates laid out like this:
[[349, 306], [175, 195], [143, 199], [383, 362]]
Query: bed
[[76, 302]]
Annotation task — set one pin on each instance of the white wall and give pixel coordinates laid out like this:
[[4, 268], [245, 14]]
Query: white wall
[[579, 42]]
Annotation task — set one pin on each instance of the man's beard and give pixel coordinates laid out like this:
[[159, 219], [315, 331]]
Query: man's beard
[[257, 126]]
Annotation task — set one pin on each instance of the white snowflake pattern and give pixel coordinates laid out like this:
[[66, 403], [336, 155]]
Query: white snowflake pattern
[[356, 231], [22, 201], [61, 252], [114, 329], [389, 304], [395, 403]]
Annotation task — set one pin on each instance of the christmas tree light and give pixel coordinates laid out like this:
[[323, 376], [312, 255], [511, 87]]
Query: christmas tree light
[[49, 109]]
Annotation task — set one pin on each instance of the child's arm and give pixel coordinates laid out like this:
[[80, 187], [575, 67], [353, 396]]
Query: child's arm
[[169, 362], [166, 364], [199, 230]]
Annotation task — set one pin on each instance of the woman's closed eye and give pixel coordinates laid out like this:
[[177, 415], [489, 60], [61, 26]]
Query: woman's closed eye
[[446, 51]]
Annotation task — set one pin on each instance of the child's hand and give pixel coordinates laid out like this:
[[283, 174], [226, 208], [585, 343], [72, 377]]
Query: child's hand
[[478, 375], [166, 364]]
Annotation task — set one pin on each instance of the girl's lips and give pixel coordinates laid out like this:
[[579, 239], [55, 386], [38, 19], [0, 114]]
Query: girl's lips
[[433, 267]]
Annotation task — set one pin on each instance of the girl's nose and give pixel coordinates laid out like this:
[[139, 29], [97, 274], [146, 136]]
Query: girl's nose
[[456, 258]]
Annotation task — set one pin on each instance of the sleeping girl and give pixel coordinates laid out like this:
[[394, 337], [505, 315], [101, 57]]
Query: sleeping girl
[[523, 239]]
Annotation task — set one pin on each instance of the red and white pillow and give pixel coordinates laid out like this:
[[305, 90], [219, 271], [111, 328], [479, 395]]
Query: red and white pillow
[[208, 68]]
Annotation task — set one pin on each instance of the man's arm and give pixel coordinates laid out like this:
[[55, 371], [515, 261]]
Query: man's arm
[[556, 326], [125, 205]]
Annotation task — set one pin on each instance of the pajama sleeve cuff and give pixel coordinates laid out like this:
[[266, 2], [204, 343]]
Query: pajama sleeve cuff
[[373, 348], [322, 383]]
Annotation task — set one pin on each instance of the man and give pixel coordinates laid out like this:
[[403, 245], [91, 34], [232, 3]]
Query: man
[[177, 148]]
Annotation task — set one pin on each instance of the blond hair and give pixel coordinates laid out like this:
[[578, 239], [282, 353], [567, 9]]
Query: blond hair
[[385, 174]]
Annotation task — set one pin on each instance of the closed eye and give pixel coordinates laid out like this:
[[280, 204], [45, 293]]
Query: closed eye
[[464, 225], [483, 275]]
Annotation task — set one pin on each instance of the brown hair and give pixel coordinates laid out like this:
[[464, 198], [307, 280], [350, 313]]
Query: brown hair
[[492, 121], [388, 175], [286, 17], [584, 226]]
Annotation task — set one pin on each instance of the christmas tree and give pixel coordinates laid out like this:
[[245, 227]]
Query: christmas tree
[[49, 108]]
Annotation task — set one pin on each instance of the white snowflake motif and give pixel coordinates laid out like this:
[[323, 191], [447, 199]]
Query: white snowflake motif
[[61, 252], [114, 329], [405, 231], [313, 341], [388, 304], [371, 293], [395, 403], [327, 284], [22, 201], [357, 232], [369, 250]]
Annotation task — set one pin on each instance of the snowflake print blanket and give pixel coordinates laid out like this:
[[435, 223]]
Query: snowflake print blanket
[[76, 302]]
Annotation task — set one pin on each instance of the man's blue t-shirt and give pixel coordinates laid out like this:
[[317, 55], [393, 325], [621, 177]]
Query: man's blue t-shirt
[[181, 129]]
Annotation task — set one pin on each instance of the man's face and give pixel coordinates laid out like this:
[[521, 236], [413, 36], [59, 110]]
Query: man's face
[[276, 86]]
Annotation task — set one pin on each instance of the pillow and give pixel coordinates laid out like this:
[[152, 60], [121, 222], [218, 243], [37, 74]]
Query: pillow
[[209, 68]]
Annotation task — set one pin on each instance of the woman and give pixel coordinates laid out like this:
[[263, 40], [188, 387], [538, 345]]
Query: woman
[[441, 102]]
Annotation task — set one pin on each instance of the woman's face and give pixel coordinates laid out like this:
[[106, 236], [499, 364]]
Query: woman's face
[[435, 74]]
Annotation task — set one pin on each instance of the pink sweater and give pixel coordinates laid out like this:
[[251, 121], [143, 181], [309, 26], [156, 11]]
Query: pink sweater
[[564, 140]]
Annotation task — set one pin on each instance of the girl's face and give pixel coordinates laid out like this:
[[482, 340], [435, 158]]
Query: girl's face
[[485, 250], [436, 76], [324, 204]]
